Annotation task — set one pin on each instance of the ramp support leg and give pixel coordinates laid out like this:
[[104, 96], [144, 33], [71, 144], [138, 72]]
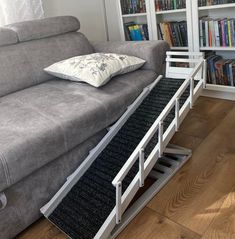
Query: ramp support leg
[[181, 156], [118, 202]]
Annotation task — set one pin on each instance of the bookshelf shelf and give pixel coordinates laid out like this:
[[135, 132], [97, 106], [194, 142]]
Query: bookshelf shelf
[[134, 15], [219, 6], [220, 87], [217, 48], [171, 11], [180, 48], [219, 91]]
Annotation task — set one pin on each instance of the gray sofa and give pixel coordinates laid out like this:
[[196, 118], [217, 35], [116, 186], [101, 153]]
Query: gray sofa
[[49, 125]]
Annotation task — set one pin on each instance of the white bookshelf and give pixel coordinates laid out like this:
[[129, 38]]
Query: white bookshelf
[[191, 14], [214, 11]]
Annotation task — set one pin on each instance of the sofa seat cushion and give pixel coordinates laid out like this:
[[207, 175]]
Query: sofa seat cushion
[[41, 123]]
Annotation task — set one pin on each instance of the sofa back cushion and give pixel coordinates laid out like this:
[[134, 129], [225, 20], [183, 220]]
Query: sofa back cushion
[[39, 44], [7, 37]]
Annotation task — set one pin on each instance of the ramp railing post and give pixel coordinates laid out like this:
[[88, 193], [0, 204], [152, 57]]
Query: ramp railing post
[[141, 167], [160, 138], [204, 73], [177, 114], [118, 202], [191, 92]]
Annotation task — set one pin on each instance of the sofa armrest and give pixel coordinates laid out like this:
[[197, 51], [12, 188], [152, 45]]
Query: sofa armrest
[[154, 52]]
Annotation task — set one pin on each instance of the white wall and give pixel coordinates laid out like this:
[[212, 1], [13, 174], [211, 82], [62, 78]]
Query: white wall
[[113, 20], [89, 12]]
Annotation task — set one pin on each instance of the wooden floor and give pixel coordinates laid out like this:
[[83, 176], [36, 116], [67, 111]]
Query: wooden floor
[[199, 202]]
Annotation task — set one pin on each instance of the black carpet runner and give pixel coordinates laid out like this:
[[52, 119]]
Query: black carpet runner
[[85, 208]]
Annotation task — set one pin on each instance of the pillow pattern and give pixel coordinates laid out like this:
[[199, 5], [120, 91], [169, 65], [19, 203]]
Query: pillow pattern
[[95, 69]]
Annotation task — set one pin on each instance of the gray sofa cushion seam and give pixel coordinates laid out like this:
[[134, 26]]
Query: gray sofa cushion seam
[[5, 168]]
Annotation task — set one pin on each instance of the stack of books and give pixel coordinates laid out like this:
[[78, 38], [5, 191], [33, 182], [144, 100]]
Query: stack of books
[[220, 71], [174, 33], [202, 3], [217, 32], [136, 32], [133, 6], [163, 5]]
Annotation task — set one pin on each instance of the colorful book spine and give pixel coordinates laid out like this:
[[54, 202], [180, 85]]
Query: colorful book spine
[[230, 33], [217, 32]]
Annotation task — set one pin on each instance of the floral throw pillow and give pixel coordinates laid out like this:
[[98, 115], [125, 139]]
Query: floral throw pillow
[[95, 69]]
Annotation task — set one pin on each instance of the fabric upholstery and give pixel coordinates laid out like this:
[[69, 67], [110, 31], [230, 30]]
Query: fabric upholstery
[[47, 27], [41, 123], [152, 51], [7, 37], [27, 197], [22, 65]]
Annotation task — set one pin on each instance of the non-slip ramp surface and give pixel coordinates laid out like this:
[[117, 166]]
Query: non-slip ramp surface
[[86, 207]]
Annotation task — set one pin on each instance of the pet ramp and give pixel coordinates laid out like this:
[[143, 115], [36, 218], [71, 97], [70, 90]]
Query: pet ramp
[[94, 201]]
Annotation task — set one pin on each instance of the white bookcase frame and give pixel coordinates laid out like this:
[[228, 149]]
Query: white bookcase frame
[[212, 90], [191, 15]]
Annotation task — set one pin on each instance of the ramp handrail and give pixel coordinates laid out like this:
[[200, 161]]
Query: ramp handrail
[[138, 153]]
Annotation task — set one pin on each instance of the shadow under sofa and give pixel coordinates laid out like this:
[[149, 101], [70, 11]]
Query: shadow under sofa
[[49, 125]]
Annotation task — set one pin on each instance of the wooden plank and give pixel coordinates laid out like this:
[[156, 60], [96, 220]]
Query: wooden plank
[[206, 107], [223, 226], [42, 229], [186, 141], [60, 236], [194, 197], [206, 115], [150, 225]]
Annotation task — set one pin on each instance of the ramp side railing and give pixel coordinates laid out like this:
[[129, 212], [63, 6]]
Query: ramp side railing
[[139, 152]]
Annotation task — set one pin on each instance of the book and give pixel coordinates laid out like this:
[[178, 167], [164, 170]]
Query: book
[[227, 78], [232, 73], [219, 72], [226, 32], [233, 31], [216, 33]]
